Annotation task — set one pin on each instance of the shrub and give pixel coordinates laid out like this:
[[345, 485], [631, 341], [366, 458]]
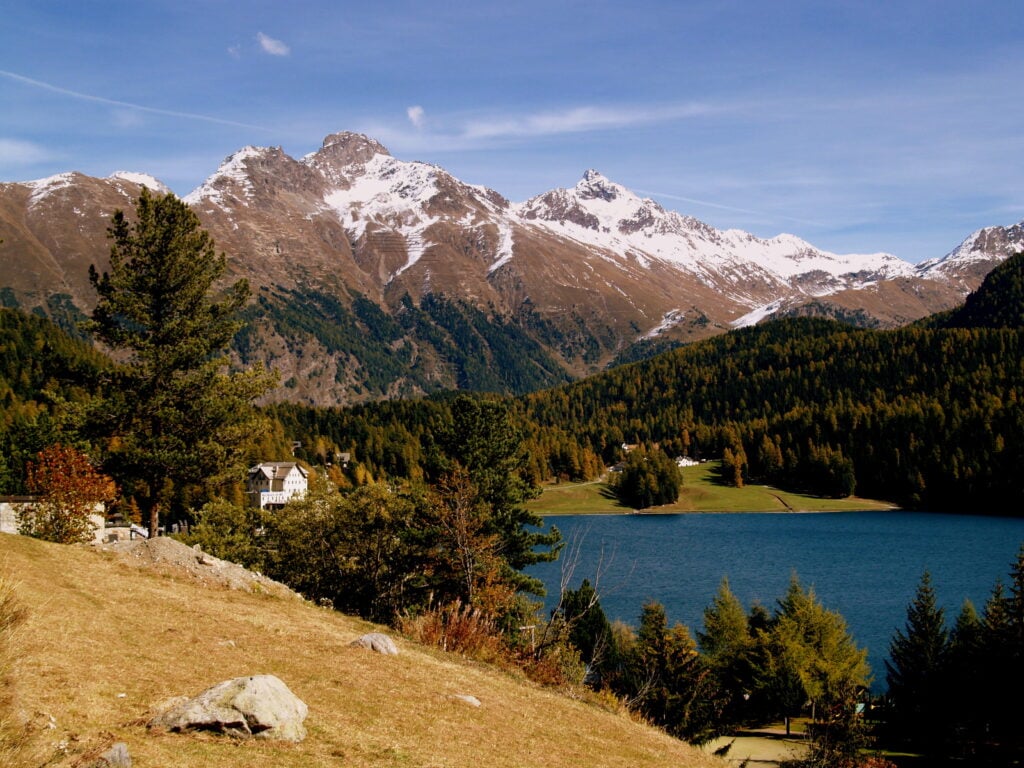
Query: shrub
[[229, 532], [458, 628]]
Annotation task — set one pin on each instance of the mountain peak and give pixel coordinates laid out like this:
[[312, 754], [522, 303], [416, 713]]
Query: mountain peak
[[347, 148], [595, 185]]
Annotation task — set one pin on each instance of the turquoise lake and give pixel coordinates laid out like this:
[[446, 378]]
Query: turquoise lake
[[866, 565]]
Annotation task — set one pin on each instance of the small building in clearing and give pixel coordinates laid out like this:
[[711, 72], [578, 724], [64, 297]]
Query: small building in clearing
[[272, 484]]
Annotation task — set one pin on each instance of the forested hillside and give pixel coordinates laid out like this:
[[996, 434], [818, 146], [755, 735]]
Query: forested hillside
[[928, 417], [998, 302], [43, 373]]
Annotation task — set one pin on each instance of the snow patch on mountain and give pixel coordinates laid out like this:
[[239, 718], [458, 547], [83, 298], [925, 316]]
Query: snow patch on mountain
[[606, 215], [391, 194], [977, 247], [142, 179], [42, 188], [232, 172], [505, 246], [758, 314], [670, 319]]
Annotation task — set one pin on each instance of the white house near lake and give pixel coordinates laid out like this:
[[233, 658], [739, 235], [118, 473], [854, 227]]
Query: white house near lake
[[272, 484]]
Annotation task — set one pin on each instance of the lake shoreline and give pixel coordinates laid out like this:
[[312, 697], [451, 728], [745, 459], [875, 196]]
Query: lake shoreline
[[660, 513]]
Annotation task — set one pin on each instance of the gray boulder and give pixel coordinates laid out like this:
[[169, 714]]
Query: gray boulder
[[259, 706], [378, 642], [115, 757]]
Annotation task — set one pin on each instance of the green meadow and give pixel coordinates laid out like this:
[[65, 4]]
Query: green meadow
[[702, 492]]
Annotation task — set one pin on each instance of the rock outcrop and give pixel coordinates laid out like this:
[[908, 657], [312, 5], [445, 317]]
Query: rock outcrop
[[258, 706], [377, 642]]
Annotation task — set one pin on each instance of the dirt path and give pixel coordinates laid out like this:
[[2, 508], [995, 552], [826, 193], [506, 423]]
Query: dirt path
[[757, 749]]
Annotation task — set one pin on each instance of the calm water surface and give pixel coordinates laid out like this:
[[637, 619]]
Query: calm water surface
[[866, 565]]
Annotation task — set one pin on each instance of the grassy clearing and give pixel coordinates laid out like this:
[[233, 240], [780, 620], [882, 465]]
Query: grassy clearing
[[702, 492], [104, 642]]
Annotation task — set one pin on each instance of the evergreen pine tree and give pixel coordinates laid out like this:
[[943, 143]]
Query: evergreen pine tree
[[965, 663], [916, 671], [727, 645], [175, 417]]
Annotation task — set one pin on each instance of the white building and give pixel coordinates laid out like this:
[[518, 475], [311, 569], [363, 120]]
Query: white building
[[272, 484]]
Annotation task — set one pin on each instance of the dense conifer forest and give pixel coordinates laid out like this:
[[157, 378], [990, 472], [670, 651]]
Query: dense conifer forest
[[928, 416]]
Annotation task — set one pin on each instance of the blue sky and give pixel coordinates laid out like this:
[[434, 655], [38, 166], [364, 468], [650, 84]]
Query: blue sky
[[861, 126]]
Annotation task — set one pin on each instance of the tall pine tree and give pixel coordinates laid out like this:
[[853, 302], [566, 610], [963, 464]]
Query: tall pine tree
[[173, 416], [917, 670]]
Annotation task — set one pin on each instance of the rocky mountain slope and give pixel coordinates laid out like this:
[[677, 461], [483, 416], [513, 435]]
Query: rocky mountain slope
[[380, 277]]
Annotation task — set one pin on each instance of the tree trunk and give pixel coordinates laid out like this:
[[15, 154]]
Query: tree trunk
[[154, 520]]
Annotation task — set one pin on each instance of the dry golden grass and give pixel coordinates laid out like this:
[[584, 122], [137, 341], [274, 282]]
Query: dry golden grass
[[105, 642]]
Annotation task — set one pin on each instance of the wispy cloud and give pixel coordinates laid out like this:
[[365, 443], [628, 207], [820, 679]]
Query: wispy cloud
[[455, 132], [272, 46], [116, 103], [415, 115], [721, 207], [18, 152], [579, 120]]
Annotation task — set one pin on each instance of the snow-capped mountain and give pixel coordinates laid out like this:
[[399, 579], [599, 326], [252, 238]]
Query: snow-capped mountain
[[351, 246]]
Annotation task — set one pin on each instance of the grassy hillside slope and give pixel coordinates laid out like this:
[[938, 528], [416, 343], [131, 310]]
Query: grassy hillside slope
[[105, 642]]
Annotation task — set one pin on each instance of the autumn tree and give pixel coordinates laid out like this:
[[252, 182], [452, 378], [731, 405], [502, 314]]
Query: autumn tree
[[172, 414], [807, 654], [70, 489], [466, 559]]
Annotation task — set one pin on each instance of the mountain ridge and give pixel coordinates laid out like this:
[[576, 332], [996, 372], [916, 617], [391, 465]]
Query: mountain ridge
[[585, 272]]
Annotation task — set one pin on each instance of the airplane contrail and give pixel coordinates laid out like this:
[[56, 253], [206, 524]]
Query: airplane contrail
[[127, 104]]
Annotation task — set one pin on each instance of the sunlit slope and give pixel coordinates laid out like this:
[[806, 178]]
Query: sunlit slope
[[105, 642]]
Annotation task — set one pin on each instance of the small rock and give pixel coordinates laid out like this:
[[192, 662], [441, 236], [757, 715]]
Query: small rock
[[259, 706], [115, 757], [472, 701], [378, 642]]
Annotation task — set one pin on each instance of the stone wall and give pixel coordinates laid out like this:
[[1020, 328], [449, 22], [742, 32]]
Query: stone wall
[[9, 516]]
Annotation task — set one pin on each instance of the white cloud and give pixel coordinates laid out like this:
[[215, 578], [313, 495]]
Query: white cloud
[[579, 120], [416, 115], [272, 46], [18, 152], [235, 51]]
